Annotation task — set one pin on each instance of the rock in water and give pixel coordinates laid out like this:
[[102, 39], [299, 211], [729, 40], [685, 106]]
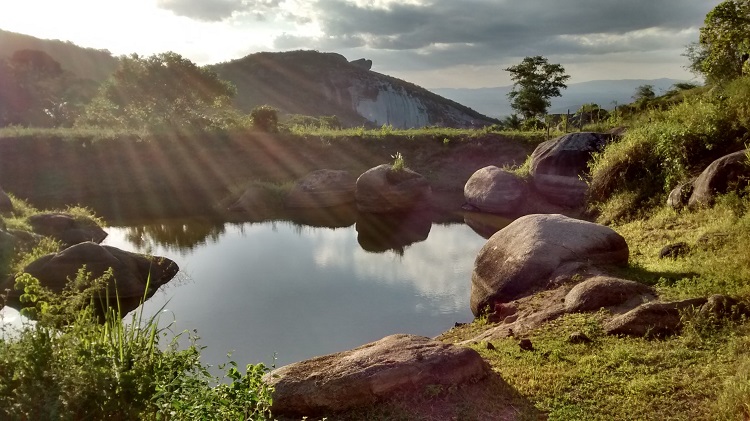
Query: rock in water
[[494, 190], [131, 271], [383, 190]]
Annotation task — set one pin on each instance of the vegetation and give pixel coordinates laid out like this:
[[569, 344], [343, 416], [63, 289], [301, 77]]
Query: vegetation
[[722, 50], [70, 363], [265, 118], [535, 81], [163, 91]]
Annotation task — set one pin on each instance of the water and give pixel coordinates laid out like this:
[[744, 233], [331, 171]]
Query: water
[[278, 289]]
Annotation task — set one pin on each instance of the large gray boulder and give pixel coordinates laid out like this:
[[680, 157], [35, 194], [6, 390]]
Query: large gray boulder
[[491, 189], [66, 228], [322, 188], [370, 373], [383, 190], [131, 272], [605, 291], [534, 249], [728, 173], [559, 166]]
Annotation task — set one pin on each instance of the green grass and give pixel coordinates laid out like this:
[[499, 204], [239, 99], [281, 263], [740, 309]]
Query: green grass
[[71, 365]]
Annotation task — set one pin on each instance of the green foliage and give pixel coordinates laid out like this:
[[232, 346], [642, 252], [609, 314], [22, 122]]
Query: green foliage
[[665, 149], [161, 92], [71, 364], [535, 81], [398, 162], [265, 118], [724, 38]]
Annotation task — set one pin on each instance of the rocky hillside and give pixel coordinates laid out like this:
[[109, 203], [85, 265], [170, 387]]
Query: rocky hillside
[[85, 63], [314, 83]]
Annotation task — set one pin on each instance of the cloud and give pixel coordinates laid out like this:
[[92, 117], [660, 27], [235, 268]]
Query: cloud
[[218, 10], [445, 32]]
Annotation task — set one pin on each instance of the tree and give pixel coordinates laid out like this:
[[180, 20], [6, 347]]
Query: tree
[[163, 91], [535, 81], [643, 95], [724, 42], [265, 118]]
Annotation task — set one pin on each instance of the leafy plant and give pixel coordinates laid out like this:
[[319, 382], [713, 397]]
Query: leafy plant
[[265, 118], [398, 162]]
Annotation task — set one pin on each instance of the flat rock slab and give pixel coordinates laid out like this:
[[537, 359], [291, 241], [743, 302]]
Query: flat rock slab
[[652, 319], [322, 188], [370, 373], [524, 256]]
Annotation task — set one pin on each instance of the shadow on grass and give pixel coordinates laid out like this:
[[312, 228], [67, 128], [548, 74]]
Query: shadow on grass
[[490, 399], [649, 277]]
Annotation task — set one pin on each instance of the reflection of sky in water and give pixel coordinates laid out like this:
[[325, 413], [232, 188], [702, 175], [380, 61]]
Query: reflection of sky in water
[[297, 291]]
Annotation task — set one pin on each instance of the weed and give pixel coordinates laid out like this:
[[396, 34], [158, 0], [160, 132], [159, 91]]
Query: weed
[[398, 162]]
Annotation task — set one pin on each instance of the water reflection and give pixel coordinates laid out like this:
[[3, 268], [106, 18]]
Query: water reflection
[[485, 224], [183, 234], [378, 233], [298, 291]]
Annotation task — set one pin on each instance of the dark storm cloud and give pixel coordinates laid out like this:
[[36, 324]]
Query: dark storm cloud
[[217, 10], [482, 31]]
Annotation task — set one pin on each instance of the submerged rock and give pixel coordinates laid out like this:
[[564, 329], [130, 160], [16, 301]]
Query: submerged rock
[[376, 371]]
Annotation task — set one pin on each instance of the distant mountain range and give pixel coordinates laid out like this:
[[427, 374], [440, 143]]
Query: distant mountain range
[[494, 101]]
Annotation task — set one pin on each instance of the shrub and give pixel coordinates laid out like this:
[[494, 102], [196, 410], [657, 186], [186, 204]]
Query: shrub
[[70, 364], [667, 148], [265, 118]]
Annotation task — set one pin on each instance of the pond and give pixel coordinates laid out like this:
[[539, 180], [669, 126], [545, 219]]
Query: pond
[[278, 291]]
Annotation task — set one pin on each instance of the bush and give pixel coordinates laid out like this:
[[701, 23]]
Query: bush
[[667, 148], [265, 118], [70, 365]]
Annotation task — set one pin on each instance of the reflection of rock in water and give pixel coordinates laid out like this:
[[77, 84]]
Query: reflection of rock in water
[[383, 232], [329, 217], [181, 234], [485, 224]]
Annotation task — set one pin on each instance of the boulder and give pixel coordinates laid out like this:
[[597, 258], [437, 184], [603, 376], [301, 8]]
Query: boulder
[[66, 228], [728, 173], [322, 188], [131, 271], [5, 203], [652, 319], [679, 196], [558, 166], [494, 190], [724, 307], [674, 250], [373, 372], [534, 249], [604, 291], [253, 203], [383, 190]]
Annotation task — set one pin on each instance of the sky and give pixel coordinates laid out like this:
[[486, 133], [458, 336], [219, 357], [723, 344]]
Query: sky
[[433, 43]]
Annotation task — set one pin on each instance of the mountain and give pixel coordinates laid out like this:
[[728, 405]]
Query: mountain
[[494, 101], [85, 63], [315, 83]]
